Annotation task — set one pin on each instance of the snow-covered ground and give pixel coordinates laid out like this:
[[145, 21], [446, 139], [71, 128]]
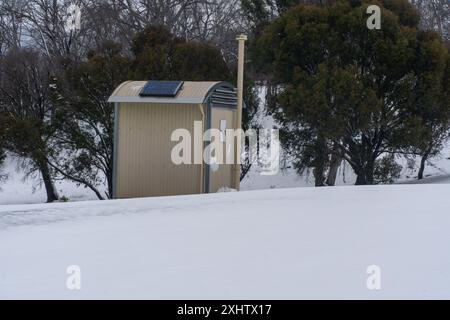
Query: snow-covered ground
[[19, 189], [274, 244]]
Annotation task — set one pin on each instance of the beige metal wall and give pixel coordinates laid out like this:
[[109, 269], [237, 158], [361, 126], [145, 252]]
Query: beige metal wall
[[224, 176], [145, 167]]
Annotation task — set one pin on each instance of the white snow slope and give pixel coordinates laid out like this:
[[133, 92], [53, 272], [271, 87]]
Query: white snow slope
[[274, 244]]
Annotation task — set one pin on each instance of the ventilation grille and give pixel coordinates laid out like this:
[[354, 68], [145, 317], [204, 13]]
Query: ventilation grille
[[224, 97]]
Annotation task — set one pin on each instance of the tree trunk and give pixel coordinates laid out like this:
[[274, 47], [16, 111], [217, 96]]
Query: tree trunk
[[52, 194], [422, 165], [361, 179], [336, 161], [320, 161], [319, 177], [110, 181], [365, 176], [79, 180], [245, 169]]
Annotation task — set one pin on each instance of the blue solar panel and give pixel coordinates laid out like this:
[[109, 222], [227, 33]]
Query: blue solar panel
[[161, 89]]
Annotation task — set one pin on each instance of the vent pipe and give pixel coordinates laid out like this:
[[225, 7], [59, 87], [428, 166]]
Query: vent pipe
[[240, 96]]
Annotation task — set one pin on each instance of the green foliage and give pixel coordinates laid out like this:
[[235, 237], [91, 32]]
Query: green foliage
[[85, 120], [338, 83], [387, 170], [197, 61], [28, 111], [408, 15], [152, 49], [159, 55], [25, 104], [24, 138]]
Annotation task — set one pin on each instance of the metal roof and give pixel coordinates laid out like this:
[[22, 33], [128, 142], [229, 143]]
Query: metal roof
[[191, 93]]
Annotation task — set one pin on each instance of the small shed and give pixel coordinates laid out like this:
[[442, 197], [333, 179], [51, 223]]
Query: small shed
[[146, 115]]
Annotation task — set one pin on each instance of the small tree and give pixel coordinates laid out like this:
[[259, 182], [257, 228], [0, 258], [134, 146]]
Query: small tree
[[28, 111], [85, 120], [387, 170], [427, 118]]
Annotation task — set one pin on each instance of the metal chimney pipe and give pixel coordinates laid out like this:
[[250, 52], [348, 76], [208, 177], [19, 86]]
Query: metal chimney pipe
[[240, 95]]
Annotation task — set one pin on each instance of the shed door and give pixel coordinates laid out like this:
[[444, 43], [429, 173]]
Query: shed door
[[222, 177]]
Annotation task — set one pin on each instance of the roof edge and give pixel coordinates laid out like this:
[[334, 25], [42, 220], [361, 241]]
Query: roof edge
[[118, 89], [127, 99]]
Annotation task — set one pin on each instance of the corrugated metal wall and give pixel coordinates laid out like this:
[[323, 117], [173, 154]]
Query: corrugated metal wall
[[144, 167], [223, 177]]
